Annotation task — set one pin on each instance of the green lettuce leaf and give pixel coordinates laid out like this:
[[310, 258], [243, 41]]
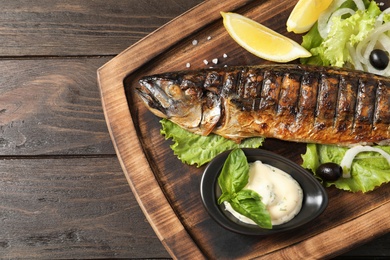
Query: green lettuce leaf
[[369, 169], [311, 41], [311, 159], [194, 149], [333, 51]]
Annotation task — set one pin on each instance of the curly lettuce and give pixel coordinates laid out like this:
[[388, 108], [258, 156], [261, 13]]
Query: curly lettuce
[[333, 51], [369, 169], [196, 149]]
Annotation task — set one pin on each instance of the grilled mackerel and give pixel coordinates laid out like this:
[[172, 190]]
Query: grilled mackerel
[[289, 102]]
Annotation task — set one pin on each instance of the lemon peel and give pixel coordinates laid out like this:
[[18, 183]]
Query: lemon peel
[[305, 14], [261, 40]]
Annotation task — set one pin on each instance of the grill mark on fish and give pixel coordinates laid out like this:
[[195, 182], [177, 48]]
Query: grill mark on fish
[[364, 108], [307, 102], [343, 120], [337, 114], [326, 102], [383, 104], [289, 102], [287, 96], [240, 84], [353, 101], [252, 88], [374, 105], [270, 91]]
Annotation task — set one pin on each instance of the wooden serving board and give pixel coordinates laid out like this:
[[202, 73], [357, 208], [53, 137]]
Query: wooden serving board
[[168, 191]]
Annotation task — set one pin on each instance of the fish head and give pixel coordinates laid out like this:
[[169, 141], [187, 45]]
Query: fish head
[[182, 99]]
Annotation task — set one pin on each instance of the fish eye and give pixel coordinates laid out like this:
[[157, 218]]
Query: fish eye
[[174, 91]]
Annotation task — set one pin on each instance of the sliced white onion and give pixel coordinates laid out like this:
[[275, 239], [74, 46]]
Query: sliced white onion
[[366, 55], [384, 40], [346, 162], [379, 20], [324, 17], [341, 12], [322, 26], [355, 60], [373, 40], [370, 47], [337, 13], [359, 4], [360, 49], [379, 30]]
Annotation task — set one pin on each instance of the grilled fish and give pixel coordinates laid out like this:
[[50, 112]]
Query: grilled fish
[[298, 103]]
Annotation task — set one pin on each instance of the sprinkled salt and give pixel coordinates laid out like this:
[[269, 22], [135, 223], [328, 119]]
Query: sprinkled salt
[[194, 42], [209, 38], [205, 62], [188, 65], [224, 55], [215, 61]]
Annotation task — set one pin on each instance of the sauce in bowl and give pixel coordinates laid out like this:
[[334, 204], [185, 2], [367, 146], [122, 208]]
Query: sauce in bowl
[[281, 193], [314, 202]]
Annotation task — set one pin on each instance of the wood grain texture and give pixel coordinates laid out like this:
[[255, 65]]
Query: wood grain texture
[[370, 222], [52, 107], [63, 194], [78, 208], [147, 159], [78, 27], [51, 116]]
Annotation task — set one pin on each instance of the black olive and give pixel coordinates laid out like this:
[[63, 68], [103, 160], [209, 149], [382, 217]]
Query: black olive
[[329, 171], [379, 59]]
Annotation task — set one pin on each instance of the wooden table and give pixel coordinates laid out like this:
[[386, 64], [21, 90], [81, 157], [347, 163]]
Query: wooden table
[[62, 190]]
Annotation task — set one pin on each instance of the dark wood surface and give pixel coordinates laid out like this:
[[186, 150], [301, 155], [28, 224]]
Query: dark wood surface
[[62, 190]]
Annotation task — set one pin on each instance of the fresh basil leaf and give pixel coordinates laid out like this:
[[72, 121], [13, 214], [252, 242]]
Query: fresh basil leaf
[[248, 203], [224, 197], [235, 172]]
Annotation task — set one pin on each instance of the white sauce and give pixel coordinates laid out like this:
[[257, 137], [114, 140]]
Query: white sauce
[[281, 194]]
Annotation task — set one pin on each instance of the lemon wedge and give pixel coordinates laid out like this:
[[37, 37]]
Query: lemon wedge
[[262, 41], [305, 14]]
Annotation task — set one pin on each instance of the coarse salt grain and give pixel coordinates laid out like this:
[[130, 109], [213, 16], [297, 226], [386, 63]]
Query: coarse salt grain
[[209, 38], [224, 55], [205, 62], [215, 61], [188, 65], [194, 42]]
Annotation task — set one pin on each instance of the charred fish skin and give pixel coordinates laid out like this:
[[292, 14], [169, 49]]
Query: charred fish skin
[[290, 102]]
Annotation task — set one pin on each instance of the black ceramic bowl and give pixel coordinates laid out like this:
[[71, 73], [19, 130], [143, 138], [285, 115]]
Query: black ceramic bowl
[[315, 198]]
